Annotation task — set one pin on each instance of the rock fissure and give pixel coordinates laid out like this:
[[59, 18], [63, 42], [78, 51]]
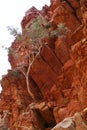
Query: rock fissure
[[52, 94]]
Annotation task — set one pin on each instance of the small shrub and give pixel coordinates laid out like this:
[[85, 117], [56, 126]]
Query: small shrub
[[14, 32], [11, 50], [37, 31], [61, 30], [14, 72], [19, 37]]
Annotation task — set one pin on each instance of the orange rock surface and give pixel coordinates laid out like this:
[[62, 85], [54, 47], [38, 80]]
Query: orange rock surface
[[58, 76]]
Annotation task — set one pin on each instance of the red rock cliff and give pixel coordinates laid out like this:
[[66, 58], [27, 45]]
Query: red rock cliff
[[49, 85]]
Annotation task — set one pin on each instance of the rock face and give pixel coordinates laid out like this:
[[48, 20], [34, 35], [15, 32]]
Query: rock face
[[72, 123], [45, 87]]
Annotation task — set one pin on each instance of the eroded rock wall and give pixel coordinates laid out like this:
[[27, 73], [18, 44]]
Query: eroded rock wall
[[57, 77]]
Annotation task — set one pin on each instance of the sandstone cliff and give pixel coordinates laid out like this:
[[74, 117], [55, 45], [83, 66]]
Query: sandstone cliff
[[48, 79]]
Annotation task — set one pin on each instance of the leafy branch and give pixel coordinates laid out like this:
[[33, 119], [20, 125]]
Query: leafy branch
[[38, 30]]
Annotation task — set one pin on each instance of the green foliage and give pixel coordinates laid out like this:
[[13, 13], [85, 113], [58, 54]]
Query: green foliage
[[61, 30], [14, 31], [14, 52], [19, 37], [37, 30], [14, 72], [40, 29], [11, 50]]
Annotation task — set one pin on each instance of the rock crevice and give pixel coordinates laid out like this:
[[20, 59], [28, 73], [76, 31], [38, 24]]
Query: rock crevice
[[55, 68]]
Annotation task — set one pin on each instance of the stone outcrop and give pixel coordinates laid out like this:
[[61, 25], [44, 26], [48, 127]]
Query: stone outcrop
[[72, 123], [43, 89]]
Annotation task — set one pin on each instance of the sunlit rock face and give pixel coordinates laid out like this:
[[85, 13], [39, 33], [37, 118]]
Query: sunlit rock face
[[44, 90]]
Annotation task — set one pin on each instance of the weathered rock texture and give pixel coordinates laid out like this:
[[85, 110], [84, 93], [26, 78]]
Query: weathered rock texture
[[57, 77]]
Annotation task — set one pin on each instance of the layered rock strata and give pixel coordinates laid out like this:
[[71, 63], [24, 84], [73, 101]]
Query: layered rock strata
[[53, 87]]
